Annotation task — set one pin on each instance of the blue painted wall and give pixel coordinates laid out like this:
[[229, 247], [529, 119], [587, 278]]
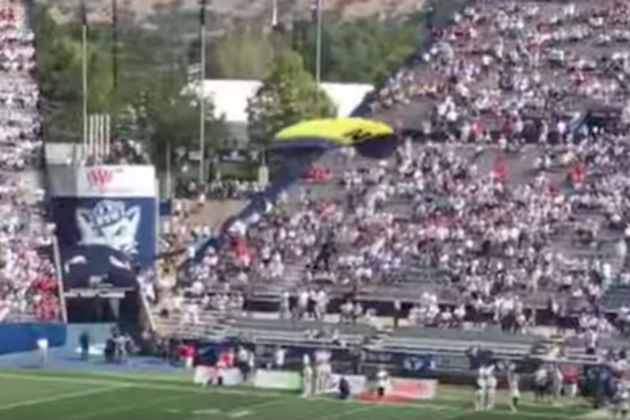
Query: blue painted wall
[[19, 337]]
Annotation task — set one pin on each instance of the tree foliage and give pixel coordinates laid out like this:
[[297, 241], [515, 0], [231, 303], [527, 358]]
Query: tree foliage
[[288, 95], [358, 50], [147, 105], [59, 77], [246, 54]]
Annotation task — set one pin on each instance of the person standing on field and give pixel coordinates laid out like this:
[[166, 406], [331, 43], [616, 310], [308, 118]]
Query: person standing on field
[[515, 392], [42, 350], [307, 376]]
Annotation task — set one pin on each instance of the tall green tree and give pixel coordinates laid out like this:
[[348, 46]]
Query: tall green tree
[[148, 106], [288, 95], [164, 116], [59, 73], [358, 50], [246, 53]]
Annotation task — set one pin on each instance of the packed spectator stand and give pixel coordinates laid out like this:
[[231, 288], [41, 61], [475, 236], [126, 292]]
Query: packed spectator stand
[[505, 206], [28, 285]]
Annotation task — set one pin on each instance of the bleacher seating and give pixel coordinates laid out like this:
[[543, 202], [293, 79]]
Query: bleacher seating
[[503, 200]]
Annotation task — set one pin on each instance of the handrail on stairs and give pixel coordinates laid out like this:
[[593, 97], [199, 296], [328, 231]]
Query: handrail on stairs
[[146, 306]]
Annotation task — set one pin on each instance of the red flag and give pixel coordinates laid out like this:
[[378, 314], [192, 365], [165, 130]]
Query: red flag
[[478, 127], [243, 252], [499, 171], [578, 172]]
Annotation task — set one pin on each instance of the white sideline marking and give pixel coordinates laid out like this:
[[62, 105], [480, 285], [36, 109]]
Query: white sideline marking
[[119, 408], [206, 411], [247, 410], [344, 412], [251, 392], [59, 397], [456, 414]]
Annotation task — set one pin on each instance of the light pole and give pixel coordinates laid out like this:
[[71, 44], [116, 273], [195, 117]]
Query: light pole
[[202, 102], [115, 43], [84, 78], [318, 47]]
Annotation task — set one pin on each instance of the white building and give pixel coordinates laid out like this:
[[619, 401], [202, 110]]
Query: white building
[[230, 99]]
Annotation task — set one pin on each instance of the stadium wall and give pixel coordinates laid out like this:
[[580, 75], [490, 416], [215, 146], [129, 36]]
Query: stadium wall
[[15, 338]]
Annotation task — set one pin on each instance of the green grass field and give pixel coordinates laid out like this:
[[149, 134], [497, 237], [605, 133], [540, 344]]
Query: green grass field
[[68, 395]]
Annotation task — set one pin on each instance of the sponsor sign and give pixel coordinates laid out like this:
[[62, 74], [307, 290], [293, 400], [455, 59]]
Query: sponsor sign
[[102, 181], [413, 389], [402, 390], [210, 375], [421, 363], [277, 379]]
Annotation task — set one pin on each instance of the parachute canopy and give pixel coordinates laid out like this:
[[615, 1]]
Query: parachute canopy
[[331, 132]]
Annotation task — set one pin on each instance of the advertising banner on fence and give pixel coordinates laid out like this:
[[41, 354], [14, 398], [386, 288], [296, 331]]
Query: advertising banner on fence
[[402, 390], [277, 379], [415, 389], [106, 218], [423, 365], [210, 375]]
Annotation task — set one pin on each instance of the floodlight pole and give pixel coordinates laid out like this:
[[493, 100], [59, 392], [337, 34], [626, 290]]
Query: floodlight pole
[[318, 50], [202, 102]]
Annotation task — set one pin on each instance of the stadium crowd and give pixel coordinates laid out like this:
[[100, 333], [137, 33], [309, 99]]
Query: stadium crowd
[[513, 190], [523, 69], [517, 81], [28, 284]]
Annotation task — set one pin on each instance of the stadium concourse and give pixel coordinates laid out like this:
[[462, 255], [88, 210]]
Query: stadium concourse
[[501, 220]]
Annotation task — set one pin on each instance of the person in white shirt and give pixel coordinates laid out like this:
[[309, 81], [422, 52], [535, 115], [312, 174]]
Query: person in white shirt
[[382, 380], [279, 357], [251, 364], [302, 303], [515, 392], [480, 392], [623, 405], [323, 376], [42, 350], [540, 382], [242, 361], [557, 382], [323, 370], [491, 391], [307, 376]]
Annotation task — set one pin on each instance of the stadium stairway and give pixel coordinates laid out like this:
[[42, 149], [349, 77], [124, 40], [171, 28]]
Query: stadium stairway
[[617, 296], [214, 213], [258, 202], [210, 324]]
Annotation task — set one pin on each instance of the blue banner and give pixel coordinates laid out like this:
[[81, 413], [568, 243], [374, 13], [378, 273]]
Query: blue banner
[[104, 238], [124, 224], [106, 222], [166, 208]]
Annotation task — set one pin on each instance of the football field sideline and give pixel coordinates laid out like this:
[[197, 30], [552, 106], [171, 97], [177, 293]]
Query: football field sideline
[[52, 395]]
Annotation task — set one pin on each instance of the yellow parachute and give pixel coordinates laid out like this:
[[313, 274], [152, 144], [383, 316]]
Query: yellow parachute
[[370, 137]]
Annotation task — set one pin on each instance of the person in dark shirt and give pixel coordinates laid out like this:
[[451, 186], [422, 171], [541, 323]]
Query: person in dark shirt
[[84, 343], [344, 388]]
